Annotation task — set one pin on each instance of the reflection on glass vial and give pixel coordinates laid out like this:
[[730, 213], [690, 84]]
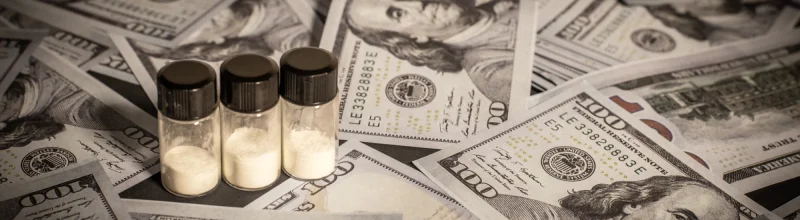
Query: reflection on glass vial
[[188, 128], [251, 125], [309, 90]]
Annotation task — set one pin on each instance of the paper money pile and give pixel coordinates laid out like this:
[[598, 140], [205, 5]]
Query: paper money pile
[[509, 109]]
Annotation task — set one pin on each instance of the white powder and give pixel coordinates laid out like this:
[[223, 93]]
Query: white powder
[[190, 170], [251, 158], [309, 154]]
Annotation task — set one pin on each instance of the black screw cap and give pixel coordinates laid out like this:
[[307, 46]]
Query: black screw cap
[[308, 76], [249, 83], [187, 90]]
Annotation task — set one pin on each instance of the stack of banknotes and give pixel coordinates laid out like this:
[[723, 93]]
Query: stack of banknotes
[[449, 109]]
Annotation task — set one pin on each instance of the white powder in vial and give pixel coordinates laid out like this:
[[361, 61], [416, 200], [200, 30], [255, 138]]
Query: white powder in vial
[[251, 158], [309, 154], [190, 170]]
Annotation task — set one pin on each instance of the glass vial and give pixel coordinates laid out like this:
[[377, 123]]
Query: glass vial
[[188, 128], [310, 107], [251, 122]]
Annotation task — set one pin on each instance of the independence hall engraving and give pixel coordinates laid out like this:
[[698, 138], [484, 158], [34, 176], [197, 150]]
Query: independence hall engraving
[[777, 89]]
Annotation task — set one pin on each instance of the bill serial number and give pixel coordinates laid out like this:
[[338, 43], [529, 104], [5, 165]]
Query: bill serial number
[[361, 93]]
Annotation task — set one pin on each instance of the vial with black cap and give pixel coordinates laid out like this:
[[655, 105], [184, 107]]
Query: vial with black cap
[[310, 106], [188, 128], [251, 122]]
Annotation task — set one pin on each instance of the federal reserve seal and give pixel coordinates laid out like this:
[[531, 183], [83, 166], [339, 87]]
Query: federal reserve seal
[[653, 40], [568, 163], [46, 159], [410, 90]]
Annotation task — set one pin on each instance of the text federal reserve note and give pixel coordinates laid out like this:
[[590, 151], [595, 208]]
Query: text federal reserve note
[[16, 48], [608, 32], [266, 27], [164, 23], [149, 210], [735, 109], [56, 115], [429, 74], [365, 181], [82, 45], [80, 192], [580, 155]]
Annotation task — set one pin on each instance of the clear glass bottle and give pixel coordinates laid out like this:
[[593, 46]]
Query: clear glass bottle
[[251, 122], [188, 128], [310, 107]]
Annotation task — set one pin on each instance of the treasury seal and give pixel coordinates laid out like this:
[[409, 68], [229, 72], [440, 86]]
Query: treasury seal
[[410, 90], [46, 159], [568, 163], [653, 40]]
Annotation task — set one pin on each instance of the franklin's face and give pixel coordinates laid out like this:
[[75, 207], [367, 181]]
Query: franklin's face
[[9, 107], [225, 24], [433, 19], [688, 203]]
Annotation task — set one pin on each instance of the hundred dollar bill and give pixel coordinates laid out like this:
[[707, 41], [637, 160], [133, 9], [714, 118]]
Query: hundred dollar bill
[[55, 115], [428, 74], [603, 33], [580, 155], [266, 27], [157, 210], [80, 44], [735, 109], [365, 181], [80, 192], [16, 47], [164, 23]]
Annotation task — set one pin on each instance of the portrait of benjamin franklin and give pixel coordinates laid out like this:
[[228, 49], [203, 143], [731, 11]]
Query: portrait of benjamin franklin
[[715, 21], [444, 35], [247, 26], [654, 198], [39, 104]]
